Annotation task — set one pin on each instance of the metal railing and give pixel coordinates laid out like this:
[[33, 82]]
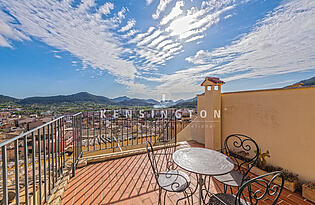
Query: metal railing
[[32, 163], [94, 132], [76, 139]]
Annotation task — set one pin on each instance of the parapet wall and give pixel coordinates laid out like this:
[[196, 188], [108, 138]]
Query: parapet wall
[[282, 121]]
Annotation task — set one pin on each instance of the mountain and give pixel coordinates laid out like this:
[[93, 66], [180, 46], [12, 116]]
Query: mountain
[[5, 99], [152, 101], [304, 83], [79, 97], [190, 103], [135, 102], [309, 82], [87, 97], [120, 99], [179, 101]]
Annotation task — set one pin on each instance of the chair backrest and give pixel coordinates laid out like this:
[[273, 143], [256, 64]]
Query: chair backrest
[[243, 150], [260, 188], [151, 157]]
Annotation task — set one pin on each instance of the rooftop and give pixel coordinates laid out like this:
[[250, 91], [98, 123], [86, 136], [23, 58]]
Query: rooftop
[[130, 180]]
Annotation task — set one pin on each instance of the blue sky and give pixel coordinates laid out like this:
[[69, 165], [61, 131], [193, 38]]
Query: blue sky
[[147, 48]]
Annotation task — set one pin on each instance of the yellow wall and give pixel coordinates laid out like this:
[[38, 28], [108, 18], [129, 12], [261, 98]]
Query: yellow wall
[[280, 120], [194, 131]]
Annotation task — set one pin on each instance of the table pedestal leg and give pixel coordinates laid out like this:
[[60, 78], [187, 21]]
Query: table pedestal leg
[[200, 182]]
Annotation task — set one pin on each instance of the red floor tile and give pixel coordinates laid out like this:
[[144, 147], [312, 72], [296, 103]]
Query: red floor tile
[[130, 180]]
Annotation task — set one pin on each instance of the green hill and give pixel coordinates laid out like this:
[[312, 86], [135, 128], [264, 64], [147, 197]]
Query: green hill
[[87, 97], [6, 99], [308, 82], [79, 97]]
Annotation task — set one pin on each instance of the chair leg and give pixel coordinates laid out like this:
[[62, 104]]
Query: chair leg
[[231, 190], [165, 197], [160, 194], [225, 188], [185, 196]]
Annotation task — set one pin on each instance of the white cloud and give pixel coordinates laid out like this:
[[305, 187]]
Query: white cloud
[[121, 13], [57, 56], [140, 36], [4, 42], [282, 42], [164, 43], [161, 7], [228, 16], [149, 38], [176, 11], [160, 44], [204, 57], [106, 8], [128, 26], [76, 30], [7, 32], [195, 38], [130, 33], [149, 2], [196, 22]]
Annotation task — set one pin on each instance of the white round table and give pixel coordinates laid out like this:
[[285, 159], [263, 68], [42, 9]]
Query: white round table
[[203, 162]]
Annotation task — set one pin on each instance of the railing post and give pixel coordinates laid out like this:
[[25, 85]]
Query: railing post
[[45, 166], [175, 130], [49, 168], [39, 167], [56, 159], [26, 169], [88, 130], [80, 146], [52, 155], [17, 181], [112, 139], [5, 175], [34, 167], [63, 143], [73, 145]]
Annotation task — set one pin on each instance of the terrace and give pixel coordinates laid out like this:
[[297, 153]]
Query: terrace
[[88, 158], [130, 180]]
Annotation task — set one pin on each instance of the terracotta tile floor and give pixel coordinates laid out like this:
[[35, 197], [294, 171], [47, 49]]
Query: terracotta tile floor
[[130, 180]]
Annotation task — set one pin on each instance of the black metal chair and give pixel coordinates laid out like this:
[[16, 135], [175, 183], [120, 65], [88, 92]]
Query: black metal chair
[[169, 180], [244, 151], [251, 192]]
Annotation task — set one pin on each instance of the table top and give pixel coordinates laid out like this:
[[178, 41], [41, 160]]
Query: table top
[[203, 161]]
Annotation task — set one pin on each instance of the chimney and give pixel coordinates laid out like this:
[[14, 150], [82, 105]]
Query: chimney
[[209, 112]]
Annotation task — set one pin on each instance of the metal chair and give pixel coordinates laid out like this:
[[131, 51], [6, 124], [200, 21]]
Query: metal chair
[[244, 151], [260, 188], [169, 180]]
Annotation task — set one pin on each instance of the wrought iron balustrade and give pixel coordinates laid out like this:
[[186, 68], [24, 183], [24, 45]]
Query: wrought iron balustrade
[[32, 163], [94, 132]]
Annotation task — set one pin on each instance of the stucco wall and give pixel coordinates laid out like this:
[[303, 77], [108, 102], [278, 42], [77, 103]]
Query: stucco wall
[[194, 131], [281, 121]]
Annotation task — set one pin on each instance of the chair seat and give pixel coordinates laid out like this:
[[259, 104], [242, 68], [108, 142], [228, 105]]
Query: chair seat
[[234, 178], [224, 199], [173, 180]]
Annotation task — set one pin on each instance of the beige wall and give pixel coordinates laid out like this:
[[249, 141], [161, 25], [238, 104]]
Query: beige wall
[[281, 121], [194, 131]]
